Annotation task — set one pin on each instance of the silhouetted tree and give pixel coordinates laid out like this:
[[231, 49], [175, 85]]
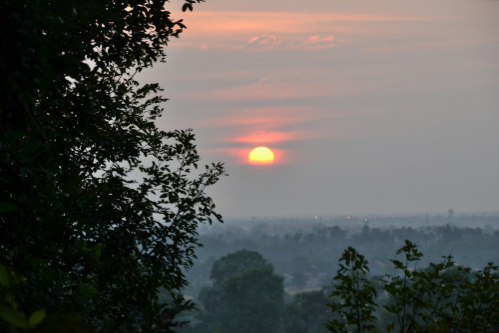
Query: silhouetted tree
[[88, 224], [246, 296], [235, 263], [438, 298]]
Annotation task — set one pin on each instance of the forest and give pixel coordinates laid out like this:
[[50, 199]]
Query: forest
[[106, 224], [297, 266], [305, 246]]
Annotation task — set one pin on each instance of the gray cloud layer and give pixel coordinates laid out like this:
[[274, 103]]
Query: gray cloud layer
[[373, 106]]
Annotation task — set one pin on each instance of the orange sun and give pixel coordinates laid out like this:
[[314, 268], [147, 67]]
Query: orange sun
[[261, 155]]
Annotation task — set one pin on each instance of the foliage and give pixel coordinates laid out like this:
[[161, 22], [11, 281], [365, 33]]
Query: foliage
[[293, 321], [233, 264], [254, 301], [98, 208], [10, 310], [356, 296], [307, 312], [472, 247], [442, 297], [299, 279], [247, 296]]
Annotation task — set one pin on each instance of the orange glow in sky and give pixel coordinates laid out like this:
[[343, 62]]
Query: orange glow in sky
[[331, 84], [261, 155]]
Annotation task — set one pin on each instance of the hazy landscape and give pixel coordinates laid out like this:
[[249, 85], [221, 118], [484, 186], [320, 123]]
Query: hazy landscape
[[306, 252], [230, 166], [313, 246]]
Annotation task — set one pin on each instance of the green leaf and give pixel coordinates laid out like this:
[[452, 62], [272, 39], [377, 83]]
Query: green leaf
[[7, 207], [96, 251], [15, 318], [187, 6], [43, 52], [5, 277], [89, 291], [36, 317]]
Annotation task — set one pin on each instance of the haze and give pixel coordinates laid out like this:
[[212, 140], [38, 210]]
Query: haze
[[369, 106]]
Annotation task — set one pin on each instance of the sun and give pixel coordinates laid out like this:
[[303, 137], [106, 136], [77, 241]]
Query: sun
[[261, 155]]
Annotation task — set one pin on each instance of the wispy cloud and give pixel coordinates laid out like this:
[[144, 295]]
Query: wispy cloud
[[233, 22], [270, 136], [274, 127], [275, 89], [256, 32], [268, 117], [314, 42], [264, 43]]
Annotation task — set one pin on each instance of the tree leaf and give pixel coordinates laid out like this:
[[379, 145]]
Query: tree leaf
[[7, 207], [16, 318], [5, 277], [187, 6], [36, 317]]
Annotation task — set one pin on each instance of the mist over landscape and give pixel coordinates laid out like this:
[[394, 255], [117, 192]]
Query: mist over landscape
[[305, 252], [314, 245], [228, 166]]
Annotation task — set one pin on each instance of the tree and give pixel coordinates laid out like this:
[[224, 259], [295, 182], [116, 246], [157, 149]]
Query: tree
[[299, 279], [313, 312], [356, 296], [246, 296], [9, 307], [307, 313], [293, 321], [439, 298], [442, 297], [235, 263], [92, 228], [254, 301]]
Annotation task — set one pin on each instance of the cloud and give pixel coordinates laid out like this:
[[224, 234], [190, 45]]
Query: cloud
[[269, 117], [387, 49], [264, 43], [210, 23], [267, 124], [261, 43], [274, 127], [314, 42], [320, 39], [263, 40], [279, 90], [264, 31], [265, 137]]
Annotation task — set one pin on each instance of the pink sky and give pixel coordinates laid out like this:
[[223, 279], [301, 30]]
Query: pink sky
[[370, 106]]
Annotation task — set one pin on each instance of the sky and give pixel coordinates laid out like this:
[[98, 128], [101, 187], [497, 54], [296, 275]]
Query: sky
[[381, 107]]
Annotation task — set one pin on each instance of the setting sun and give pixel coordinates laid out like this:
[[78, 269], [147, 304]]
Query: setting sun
[[261, 155]]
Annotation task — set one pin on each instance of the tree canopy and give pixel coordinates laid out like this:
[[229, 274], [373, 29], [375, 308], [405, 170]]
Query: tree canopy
[[254, 300], [442, 297], [235, 263], [247, 296], [98, 206]]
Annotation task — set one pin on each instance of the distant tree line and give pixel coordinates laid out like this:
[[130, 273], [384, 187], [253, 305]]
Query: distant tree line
[[305, 255], [248, 297]]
